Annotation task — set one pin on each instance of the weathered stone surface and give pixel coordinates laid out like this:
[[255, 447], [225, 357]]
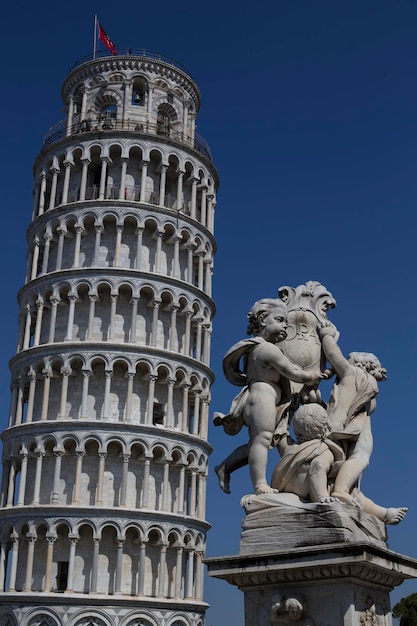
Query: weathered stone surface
[[281, 522]]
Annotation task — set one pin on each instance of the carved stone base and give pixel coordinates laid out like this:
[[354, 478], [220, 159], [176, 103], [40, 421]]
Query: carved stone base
[[313, 566], [276, 522]]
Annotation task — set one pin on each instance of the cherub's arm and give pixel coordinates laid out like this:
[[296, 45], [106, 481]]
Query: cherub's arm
[[284, 442], [277, 359], [332, 351]]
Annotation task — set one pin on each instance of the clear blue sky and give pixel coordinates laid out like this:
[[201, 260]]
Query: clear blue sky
[[310, 108]]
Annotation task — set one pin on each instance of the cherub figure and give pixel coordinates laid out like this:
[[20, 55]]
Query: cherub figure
[[350, 407], [266, 393], [306, 464], [290, 610]]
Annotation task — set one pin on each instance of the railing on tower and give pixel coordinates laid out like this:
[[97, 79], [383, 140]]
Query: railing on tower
[[106, 125], [132, 52]]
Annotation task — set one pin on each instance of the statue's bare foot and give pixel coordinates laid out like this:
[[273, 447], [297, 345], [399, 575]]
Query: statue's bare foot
[[395, 515], [264, 488], [328, 499], [346, 498], [224, 477]]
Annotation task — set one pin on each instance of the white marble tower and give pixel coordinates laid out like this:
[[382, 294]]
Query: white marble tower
[[105, 455]]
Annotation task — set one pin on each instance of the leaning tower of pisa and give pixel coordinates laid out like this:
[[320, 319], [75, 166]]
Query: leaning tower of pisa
[[105, 454]]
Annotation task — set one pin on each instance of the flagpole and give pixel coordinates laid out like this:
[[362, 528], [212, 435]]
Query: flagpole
[[95, 37]]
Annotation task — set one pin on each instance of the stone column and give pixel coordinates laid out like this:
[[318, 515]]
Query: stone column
[[38, 476], [67, 176], [13, 566], [52, 196], [181, 491], [173, 338], [129, 397], [58, 454], [31, 395], [180, 201], [204, 417], [193, 492], [11, 483], [190, 575], [176, 269], [70, 583], [193, 197], [165, 486], [142, 556], [162, 185], [29, 562], [203, 217], [61, 235], [122, 190], [91, 312], [19, 402], [47, 237], [145, 484], [113, 305], [119, 232], [108, 374], [178, 572], [151, 395], [184, 423], [134, 302], [100, 480], [170, 403], [13, 403], [54, 306], [42, 194], [162, 570], [139, 234], [198, 575], [103, 178], [188, 317], [84, 398], [123, 489], [154, 333], [77, 246], [143, 176], [127, 98], [119, 567], [77, 483], [94, 567], [65, 373], [49, 560], [196, 421], [99, 230], [159, 234], [35, 258], [83, 185], [47, 375], [3, 548], [28, 325], [70, 115], [190, 254], [71, 312], [199, 321], [23, 475]]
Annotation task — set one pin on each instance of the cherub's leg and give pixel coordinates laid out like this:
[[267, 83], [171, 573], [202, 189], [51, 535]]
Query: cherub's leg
[[352, 469], [258, 460], [317, 479], [236, 459], [391, 515]]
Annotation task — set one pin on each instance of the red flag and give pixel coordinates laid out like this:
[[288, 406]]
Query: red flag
[[106, 39]]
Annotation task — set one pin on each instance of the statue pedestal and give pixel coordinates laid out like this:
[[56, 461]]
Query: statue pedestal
[[332, 558]]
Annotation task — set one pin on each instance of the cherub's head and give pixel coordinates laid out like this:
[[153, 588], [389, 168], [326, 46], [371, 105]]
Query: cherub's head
[[295, 608], [268, 318], [369, 363], [310, 421]]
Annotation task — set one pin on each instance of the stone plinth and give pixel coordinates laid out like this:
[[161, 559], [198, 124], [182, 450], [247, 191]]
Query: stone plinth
[[318, 555]]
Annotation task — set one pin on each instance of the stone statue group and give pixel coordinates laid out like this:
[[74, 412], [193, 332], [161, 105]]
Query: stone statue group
[[293, 347]]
